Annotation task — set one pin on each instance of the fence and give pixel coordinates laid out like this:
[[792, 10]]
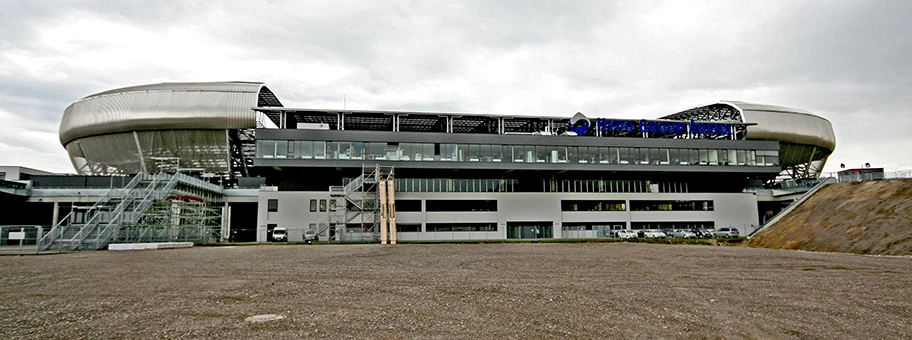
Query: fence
[[895, 174], [20, 238], [898, 174]]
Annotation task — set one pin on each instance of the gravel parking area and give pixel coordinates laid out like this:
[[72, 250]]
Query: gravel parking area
[[566, 290]]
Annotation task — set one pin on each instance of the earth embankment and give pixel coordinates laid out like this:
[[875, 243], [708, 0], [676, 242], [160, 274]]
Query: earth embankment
[[873, 217]]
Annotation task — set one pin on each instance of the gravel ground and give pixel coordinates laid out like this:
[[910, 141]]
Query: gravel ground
[[584, 290]]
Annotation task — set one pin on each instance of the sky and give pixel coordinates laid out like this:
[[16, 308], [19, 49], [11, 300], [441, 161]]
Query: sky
[[847, 61]]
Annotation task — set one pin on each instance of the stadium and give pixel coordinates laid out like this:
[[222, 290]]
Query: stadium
[[204, 162]]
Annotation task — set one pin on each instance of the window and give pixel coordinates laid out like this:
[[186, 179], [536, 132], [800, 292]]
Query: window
[[461, 205], [408, 205], [305, 149], [272, 205], [408, 228], [313, 205], [266, 149], [281, 148], [322, 205], [2, 176], [671, 206], [673, 225], [581, 205], [432, 227]]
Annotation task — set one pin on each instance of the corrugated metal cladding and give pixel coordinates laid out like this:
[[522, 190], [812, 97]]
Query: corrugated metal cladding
[[223, 105], [786, 125], [230, 86]]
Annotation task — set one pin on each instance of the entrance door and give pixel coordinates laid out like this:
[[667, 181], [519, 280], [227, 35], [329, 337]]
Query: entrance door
[[530, 230]]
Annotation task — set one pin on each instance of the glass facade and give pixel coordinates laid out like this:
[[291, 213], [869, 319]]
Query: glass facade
[[495, 153], [590, 205], [671, 205], [455, 185], [437, 227], [673, 225], [545, 185]]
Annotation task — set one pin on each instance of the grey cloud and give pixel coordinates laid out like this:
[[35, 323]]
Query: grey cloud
[[844, 61]]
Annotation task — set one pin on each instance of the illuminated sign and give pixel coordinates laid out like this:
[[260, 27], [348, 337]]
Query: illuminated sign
[[580, 124]]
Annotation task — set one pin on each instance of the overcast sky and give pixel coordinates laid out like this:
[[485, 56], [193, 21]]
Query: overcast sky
[[847, 61]]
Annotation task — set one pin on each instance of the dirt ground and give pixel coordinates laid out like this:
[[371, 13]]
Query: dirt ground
[[872, 217], [584, 290]]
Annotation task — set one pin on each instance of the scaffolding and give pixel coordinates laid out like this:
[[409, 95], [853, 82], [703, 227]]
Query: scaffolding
[[355, 207], [153, 207]]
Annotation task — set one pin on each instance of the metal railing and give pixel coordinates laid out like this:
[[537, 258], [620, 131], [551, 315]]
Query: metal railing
[[152, 193], [80, 240], [795, 204], [19, 239], [67, 222]]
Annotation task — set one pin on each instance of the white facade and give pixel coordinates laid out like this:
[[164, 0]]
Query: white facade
[[738, 210]]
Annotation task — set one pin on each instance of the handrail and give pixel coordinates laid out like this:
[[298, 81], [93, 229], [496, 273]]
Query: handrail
[[115, 216], [794, 205], [59, 229], [153, 193], [107, 232], [103, 223], [354, 184]]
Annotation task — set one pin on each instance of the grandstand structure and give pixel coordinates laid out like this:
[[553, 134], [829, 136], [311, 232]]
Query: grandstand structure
[[458, 176], [206, 126]]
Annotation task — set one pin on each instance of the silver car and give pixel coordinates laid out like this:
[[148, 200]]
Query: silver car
[[625, 234], [681, 233], [654, 233], [727, 233]]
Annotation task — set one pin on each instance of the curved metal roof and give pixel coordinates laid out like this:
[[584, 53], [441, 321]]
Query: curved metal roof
[[769, 122], [166, 106], [786, 125]]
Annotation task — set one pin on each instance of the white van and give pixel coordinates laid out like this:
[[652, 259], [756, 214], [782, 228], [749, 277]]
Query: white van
[[280, 234]]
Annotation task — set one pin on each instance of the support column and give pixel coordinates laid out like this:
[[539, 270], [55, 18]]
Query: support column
[[383, 226], [142, 161], [226, 223], [392, 210], [55, 215]]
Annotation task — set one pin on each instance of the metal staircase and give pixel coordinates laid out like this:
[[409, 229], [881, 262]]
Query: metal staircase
[[133, 214], [357, 202]]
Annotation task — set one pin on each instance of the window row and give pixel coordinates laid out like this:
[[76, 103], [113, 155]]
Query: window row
[[432, 227], [313, 205], [609, 185], [460, 205], [672, 225], [441, 152], [566, 205], [671, 205], [455, 185], [656, 205], [586, 205]]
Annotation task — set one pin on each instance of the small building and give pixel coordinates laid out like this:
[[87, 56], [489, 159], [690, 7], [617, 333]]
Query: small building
[[858, 175]]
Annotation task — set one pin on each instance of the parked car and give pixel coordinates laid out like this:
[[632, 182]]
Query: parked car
[[626, 234], [310, 236], [727, 232], [654, 233], [279, 234], [681, 233], [703, 233]]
